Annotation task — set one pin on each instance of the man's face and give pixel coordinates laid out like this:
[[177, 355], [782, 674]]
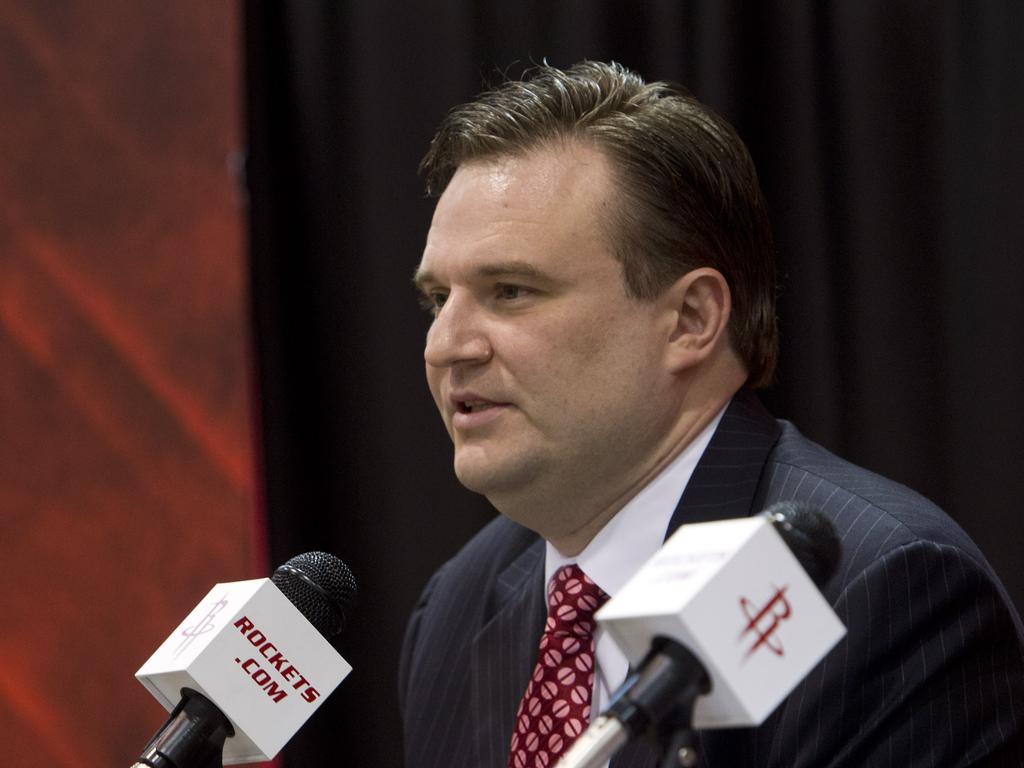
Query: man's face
[[550, 379]]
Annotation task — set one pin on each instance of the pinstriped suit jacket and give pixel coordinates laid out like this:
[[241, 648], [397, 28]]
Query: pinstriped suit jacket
[[931, 672]]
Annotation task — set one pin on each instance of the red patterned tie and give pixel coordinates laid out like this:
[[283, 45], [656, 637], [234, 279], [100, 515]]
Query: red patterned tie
[[556, 706]]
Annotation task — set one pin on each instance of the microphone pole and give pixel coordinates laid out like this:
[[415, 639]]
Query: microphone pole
[[193, 735], [661, 693]]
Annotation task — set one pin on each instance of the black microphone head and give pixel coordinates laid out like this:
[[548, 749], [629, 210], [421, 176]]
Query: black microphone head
[[321, 586], [809, 535]]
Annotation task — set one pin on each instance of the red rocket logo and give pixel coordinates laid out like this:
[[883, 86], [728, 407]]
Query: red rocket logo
[[763, 622]]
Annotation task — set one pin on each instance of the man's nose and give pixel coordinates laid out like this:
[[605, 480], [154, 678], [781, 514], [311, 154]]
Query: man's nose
[[457, 335]]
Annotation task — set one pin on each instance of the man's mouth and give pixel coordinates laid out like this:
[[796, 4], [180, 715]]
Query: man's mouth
[[475, 406]]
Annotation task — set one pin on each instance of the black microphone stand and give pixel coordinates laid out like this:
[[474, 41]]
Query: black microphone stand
[[659, 697], [676, 739], [192, 737], [657, 701]]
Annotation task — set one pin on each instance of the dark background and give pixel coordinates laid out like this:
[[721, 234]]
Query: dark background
[[888, 139]]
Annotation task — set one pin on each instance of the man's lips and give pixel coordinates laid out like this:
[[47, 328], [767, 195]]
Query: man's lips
[[475, 406], [466, 401], [470, 410]]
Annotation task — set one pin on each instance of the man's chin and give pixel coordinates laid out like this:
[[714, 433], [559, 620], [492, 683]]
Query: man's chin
[[494, 479], [477, 479]]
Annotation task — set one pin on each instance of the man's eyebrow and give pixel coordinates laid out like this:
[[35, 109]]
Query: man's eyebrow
[[512, 268], [422, 277]]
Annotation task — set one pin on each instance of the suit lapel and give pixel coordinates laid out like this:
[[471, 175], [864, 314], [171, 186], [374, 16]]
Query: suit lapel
[[504, 654], [725, 482]]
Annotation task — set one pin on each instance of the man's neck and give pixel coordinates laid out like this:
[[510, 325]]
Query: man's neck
[[639, 528], [692, 428]]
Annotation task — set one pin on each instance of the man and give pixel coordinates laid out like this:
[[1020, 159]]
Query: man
[[600, 273]]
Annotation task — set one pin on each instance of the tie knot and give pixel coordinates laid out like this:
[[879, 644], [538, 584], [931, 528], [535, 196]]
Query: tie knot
[[572, 601]]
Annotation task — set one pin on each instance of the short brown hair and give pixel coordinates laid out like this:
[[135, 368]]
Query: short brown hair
[[690, 192]]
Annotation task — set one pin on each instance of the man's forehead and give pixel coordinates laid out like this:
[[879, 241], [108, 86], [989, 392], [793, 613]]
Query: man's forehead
[[537, 173], [543, 187], [515, 214], [543, 178]]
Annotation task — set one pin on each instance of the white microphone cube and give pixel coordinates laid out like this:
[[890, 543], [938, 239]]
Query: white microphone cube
[[734, 594], [249, 650]]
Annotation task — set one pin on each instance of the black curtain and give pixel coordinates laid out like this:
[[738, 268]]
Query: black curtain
[[888, 138]]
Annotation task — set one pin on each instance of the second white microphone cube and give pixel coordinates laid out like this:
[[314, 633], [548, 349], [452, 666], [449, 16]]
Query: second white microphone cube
[[733, 593]]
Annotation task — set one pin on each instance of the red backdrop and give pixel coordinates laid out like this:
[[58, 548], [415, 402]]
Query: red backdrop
[[126, 470]]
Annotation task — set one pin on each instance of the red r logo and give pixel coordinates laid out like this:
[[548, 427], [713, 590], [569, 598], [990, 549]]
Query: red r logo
[[764, 621]]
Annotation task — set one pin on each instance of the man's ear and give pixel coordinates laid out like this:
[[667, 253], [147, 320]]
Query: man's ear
[[701, 305]]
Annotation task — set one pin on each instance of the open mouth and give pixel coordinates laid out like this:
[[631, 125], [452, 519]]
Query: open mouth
[[475, 406]]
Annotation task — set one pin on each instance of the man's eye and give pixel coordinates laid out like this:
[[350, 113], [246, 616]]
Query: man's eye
[[509, 292], [433, 301]]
